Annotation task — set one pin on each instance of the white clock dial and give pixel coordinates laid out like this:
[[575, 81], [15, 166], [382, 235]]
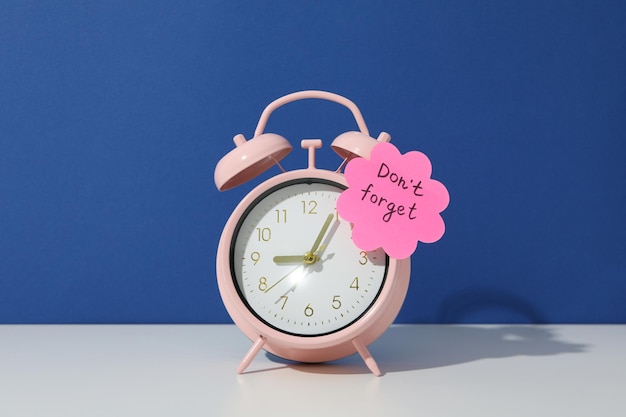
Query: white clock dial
[[295, 265]]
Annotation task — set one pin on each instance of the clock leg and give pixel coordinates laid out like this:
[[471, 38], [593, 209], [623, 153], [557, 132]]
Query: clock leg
[[367, 356], [256, 347]]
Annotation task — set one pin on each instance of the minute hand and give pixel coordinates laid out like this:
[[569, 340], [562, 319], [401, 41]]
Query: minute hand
[[322, 232]]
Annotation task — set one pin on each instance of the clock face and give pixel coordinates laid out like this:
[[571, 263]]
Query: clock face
[[294, 263]]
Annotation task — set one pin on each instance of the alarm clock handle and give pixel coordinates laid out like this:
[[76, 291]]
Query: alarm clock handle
[[366, 356], [254, 350], [301, 95]]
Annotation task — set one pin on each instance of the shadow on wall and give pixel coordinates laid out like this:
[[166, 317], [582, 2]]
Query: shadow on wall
[[467, 305]]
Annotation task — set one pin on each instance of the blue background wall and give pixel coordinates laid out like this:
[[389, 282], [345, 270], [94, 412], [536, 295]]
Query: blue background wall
[[114, 114]]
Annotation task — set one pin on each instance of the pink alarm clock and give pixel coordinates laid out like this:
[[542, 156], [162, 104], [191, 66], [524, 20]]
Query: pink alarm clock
[[288, 272]]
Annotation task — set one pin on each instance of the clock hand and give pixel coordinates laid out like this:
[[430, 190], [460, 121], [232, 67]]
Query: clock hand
[[291, 259], [280, 280], [288, 259], [321, 234]]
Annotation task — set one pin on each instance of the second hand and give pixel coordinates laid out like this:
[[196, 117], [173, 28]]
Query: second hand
[[280, 280]]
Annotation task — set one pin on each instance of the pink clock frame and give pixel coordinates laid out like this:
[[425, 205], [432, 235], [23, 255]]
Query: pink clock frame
[[249, 159]]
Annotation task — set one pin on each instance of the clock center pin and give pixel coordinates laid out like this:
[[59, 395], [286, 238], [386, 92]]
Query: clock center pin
[[309, 258]]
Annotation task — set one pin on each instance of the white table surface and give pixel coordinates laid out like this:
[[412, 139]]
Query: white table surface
[[189, 370]]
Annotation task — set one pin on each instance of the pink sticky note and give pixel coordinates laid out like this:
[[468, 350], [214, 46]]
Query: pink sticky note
[[392, 202]]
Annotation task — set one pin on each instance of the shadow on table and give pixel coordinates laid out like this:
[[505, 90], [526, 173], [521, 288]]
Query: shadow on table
[[406, 348]]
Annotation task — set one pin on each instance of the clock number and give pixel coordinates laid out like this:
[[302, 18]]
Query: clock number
[[281, 215], [284, 298], [264, 234], [308, 311], [336, 302], [255, 256], [263, 284], [311, 205], [363, 259], [355, 283]]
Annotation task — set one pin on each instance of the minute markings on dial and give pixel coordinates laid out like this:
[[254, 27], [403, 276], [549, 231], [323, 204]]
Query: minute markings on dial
[[324, 279]]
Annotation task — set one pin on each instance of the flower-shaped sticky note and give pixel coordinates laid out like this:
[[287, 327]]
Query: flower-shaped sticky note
[[392, 202]]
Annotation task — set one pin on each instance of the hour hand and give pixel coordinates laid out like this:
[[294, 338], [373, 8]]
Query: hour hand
[[288, 259], [308, 258]]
